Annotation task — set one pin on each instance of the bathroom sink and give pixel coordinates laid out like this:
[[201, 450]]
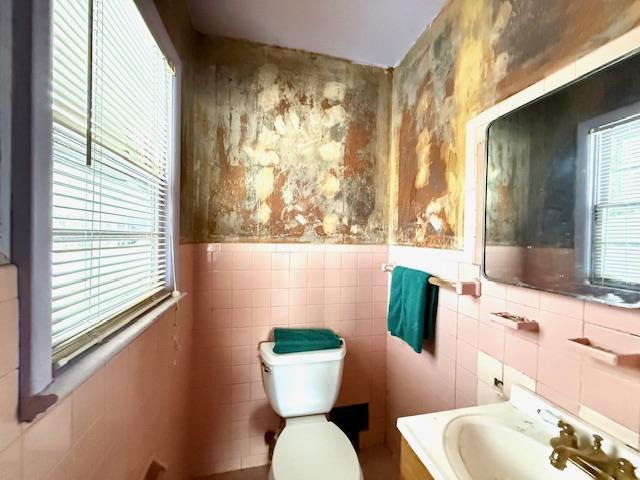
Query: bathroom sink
[[480, 448]]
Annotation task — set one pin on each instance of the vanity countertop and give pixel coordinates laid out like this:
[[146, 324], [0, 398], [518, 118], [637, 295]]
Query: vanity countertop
[[492, 441]]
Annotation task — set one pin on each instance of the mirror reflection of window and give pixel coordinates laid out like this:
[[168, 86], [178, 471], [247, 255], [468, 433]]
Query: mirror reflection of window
[[615, 205]]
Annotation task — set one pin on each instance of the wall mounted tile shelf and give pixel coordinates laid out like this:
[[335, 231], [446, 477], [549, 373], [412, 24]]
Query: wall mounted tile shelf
[[515, 322], [585, 347]]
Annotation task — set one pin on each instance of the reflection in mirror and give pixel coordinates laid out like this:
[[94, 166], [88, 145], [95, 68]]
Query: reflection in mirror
[[563, 190]]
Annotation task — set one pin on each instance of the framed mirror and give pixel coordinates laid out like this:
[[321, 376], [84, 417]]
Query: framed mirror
[[563, 190]]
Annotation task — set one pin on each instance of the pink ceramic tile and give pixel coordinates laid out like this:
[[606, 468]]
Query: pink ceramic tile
[[364, 310], [332, 260], [331, 295], [241, 317], [316, 260], [242, 279], [364, 294], [260, 334], [221, 261], [348, 277], [349, 261], [558, 398], [521, 355], [611, 339], [489, 304], [365, 261], [241, 298], [379, 309], [47, 441], [279, 315], [555, 329], [298, 278], [260, 316], [491, 340], [241, 260], [468, 329], [8, 336], [624, 320], [298, 296], [261, 298], [315, 296], [446, 321], [280, 279], [9, 426], [380, 293], [469, 306], [348, 295], [280, 297], [365, 277], [348, 311], [261, 261], [467, 356], [331, 313], [314, 314], [559, 371], [297, 315], [615, 397], [466, 385], [298, 261], [315, 278], [280, 261], [11, 461], [523, 296], [261, 279], [332, 278], [241, 355], [88, 404], [8, 282], [561, 305]]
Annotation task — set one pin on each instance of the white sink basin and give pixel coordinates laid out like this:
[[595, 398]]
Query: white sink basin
[[480, 448], [502, 441]]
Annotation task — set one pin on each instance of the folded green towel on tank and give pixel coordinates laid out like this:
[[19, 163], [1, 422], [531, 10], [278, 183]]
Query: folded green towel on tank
[[292, 340]]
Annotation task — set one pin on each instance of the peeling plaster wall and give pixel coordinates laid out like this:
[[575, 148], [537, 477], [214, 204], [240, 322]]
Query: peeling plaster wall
[[286, 146], [475, 54]]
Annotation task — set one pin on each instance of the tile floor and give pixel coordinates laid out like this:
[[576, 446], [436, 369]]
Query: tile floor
[[377, 464]]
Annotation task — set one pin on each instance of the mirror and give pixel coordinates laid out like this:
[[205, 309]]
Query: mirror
[[563, 190]]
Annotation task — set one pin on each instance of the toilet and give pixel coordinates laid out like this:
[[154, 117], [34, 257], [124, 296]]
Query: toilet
[[302, 388]]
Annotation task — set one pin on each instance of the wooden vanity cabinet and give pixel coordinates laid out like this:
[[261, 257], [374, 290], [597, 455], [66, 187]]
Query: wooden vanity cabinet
[[411, 468]]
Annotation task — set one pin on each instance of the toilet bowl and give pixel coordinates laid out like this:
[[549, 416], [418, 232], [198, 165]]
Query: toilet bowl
[[302, 388]]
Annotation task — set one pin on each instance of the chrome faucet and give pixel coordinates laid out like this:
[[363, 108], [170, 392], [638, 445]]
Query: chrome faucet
[[590, 459]]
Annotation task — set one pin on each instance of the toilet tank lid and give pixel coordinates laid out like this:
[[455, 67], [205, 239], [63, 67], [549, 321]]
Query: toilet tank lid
[[315, 356]]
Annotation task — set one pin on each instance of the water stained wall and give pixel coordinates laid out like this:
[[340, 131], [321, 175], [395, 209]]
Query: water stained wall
[[286, 146], [475, 54]]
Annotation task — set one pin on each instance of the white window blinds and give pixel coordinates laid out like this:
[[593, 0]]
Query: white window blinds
[[112, 96], [616, 206]]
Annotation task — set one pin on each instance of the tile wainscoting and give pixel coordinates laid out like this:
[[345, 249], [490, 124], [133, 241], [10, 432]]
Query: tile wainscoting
[[242, 291]]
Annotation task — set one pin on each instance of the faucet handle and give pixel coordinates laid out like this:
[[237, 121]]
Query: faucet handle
[[597, 441], [624, 470], [565, 428]]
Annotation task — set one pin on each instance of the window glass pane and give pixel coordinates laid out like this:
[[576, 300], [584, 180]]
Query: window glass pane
[[616, 232], [109, 171]]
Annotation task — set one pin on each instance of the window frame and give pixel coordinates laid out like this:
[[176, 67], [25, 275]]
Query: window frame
[[585, 192], [40, 385]]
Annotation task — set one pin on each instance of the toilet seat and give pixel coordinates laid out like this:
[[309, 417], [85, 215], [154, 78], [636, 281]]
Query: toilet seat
[[312, 448]]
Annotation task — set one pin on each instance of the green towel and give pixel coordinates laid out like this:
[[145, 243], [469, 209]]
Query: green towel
[[291, 340], [412, 306]]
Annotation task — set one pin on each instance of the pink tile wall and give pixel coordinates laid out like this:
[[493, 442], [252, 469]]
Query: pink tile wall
[[242, 291], [129, 412], [444, 375]]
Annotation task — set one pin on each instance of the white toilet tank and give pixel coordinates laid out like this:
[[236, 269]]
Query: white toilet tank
[[305, 383]]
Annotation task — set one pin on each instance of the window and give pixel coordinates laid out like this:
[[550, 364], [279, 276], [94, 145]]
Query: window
[[112, 112], [615, 231]]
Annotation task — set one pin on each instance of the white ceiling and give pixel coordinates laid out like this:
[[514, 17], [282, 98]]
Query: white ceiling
[[377, 32]]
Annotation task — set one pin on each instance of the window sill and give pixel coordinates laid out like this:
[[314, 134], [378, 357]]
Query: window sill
[[70, 377]]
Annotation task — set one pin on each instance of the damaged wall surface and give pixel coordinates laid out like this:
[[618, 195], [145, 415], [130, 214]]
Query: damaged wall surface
[[475, 54], [286, 146]]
